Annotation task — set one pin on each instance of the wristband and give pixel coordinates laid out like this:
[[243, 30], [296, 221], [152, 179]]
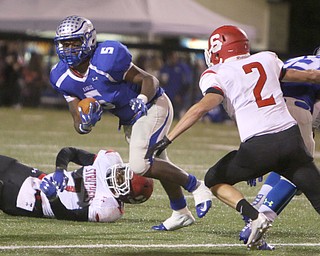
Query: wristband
[[143, 97]]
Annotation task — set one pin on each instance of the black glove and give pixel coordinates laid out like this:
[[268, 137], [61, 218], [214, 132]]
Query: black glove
[[157, 148]]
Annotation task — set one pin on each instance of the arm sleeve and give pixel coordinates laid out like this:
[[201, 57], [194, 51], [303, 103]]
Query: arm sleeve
[[62, 213], [75, 155]]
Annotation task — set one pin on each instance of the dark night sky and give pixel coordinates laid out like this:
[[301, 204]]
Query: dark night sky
[[304, 26]]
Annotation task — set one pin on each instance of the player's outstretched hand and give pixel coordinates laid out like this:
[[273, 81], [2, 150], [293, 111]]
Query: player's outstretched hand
[[48, 187], [157, 148], [253, 182], [60, 179]]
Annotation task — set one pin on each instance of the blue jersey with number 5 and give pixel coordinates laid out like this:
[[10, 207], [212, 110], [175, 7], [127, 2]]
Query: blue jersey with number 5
[[103, 80]]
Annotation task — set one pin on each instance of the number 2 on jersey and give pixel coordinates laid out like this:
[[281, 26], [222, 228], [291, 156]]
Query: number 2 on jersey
[[260, 83]]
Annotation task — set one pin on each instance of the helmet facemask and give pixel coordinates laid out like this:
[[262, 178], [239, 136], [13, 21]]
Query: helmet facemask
[[118, 179], [211, 55], [71, 29]]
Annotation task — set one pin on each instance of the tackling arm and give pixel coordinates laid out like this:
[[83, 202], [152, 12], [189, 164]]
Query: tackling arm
[[308, 76], [208, 102]]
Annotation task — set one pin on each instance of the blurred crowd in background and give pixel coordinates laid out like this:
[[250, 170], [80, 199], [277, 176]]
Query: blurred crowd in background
[[25, 68]]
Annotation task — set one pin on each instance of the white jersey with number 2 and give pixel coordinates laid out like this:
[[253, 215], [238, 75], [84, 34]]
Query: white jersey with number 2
[[252, 93]]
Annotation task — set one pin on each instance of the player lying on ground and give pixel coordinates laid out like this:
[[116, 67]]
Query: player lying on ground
[[94, 192]]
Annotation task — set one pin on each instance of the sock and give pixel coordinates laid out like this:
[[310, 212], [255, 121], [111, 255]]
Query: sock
[[178, 204], [270, 182], [191, 184], [278, 198], [272, 179], [246, 209]]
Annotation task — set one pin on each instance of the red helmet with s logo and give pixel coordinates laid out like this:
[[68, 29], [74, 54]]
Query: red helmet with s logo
[[225, 42]]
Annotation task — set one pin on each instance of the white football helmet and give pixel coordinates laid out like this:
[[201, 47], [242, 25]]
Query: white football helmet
[[73, 28], [127, 186], [118, 179]]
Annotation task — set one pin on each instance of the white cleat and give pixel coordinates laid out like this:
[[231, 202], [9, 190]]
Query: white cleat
[[176, 221], [259, 227], [202, 199]]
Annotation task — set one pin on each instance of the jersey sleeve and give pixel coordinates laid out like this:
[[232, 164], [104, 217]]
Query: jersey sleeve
[[57, 74], [75, 155], [62, 213], [273, 57], [209, 83], [113, 58]]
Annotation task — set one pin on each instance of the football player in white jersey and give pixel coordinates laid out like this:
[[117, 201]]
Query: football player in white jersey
[[91, 193], [249, 87], [300, 99], [105, 71]]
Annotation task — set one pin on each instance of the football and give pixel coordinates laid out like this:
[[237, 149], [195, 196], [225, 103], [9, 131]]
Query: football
[[141, 189], [85, 104]]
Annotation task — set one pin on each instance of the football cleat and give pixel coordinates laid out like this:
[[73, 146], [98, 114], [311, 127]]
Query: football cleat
[[160, 227], [203, 208], [176, 221], [266, 247], [244, 235], [202, 199], [259, 227]]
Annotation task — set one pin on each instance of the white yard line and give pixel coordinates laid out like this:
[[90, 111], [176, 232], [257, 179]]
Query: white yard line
[[15, 247]]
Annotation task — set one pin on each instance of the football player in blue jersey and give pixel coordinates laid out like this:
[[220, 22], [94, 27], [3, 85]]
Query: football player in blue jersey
[[300, 99], [105, 71]]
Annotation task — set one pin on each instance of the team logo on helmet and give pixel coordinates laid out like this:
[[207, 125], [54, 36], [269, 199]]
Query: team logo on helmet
[[226, 42]]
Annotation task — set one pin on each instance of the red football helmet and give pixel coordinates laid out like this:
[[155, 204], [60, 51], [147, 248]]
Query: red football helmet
[[141, 189], [225, 42], [128, 186]]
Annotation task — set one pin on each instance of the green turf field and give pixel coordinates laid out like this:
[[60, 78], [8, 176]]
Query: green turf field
[[34, 137]]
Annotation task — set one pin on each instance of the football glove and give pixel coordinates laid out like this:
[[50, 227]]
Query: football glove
[[139, 108], [59, 179], [157, 148], [89, 120], [253, 182], [49, 188]]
